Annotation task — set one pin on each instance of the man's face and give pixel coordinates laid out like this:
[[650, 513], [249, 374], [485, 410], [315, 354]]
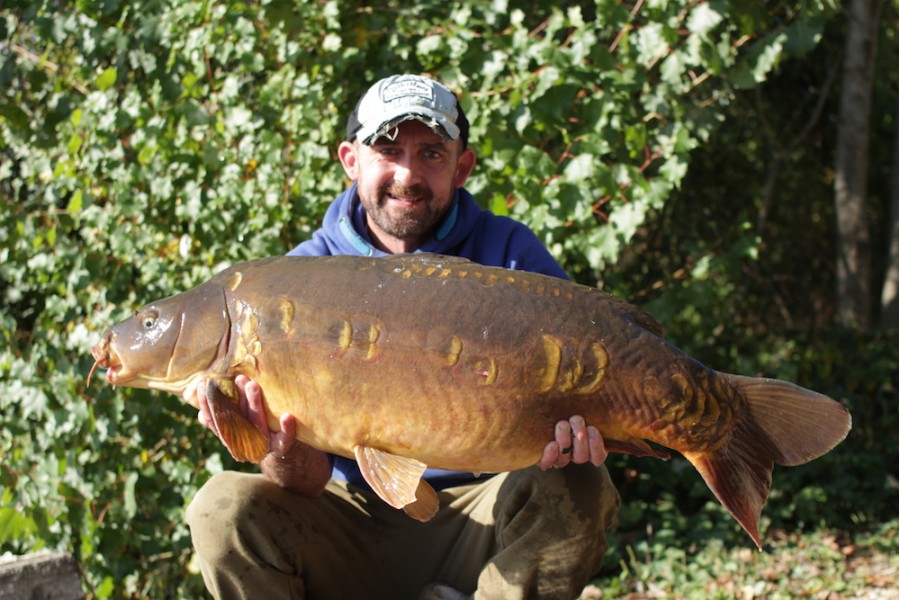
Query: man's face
[[406, 182]]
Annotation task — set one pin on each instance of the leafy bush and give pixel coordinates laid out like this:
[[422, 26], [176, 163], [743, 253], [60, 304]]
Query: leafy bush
[[145, 145]]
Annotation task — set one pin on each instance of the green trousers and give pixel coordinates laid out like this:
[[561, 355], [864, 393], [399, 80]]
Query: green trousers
[[525, 534]]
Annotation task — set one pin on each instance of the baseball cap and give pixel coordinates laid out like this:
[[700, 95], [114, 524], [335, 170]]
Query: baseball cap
[[400, 98]]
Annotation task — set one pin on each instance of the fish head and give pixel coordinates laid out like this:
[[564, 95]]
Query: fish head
[[167, 344]]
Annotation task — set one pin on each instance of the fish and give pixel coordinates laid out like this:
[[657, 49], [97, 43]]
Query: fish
[[421, 360]]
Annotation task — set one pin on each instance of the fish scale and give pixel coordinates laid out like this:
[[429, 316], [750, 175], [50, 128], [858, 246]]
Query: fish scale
[[418, 361]]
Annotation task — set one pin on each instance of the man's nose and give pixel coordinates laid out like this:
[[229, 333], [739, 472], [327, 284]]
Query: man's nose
[[407, 170]]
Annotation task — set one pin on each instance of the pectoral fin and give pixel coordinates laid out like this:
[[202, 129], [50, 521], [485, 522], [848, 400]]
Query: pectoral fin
[[244, 441], [397, 480]]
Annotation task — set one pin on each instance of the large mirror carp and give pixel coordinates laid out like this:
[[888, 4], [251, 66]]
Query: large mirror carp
[[419, 360]]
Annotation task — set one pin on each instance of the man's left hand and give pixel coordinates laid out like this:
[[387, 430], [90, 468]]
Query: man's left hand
[[576, 443]]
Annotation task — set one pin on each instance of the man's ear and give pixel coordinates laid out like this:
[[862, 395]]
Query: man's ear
[[349, 159], [464, 167]]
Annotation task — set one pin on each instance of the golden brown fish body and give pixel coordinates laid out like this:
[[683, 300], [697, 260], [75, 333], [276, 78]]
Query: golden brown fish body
[[423, 360]]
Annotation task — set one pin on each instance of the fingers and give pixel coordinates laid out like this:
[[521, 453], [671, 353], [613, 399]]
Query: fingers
[[190, 395], [580, 449], [285, 440], [598, 452], [251, 402], [574, 442], [205, 414], [551, 454], [288, 426], [563, 438], [557, 453]]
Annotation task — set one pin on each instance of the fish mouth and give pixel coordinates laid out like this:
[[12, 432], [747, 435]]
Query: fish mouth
[[105, 356], [119, 373]]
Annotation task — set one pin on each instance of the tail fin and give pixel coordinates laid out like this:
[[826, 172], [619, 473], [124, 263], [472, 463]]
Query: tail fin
[[797, 425], [784, 424]]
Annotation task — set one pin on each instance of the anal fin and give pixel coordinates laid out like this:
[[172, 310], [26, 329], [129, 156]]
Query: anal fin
[[244, 441], [635, 446]]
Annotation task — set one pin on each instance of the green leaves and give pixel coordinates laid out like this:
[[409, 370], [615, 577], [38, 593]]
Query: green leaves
[[143, 146], [106, 79]]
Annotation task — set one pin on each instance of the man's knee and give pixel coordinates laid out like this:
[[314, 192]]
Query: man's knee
[[224, 502], [585, 489], [592, 490], [224, 495]]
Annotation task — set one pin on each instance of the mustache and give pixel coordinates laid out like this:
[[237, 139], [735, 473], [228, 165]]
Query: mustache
[[420, 192]]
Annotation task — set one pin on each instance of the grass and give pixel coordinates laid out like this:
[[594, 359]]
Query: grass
[[825, 565]]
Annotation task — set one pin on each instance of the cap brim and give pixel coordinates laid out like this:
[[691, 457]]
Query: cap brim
[[438, 122]]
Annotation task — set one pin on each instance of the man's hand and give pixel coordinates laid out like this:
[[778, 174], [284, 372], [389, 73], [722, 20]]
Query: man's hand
[[290, 464], [253, 409], [576, 443]]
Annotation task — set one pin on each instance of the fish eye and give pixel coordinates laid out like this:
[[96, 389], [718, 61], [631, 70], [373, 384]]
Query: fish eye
[[149, 320]]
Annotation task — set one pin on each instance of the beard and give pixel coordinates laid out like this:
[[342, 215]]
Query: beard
[[407, 223]]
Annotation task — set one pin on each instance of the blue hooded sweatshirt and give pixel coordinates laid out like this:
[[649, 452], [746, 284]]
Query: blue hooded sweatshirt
[[467, 231]]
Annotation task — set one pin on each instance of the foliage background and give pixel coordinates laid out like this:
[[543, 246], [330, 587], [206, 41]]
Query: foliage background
[[677, 152]]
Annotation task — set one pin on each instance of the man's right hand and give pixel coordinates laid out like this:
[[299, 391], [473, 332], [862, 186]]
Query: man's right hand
[[290, 464]]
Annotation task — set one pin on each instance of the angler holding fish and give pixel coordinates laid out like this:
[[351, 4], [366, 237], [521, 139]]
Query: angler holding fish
[[350, 378]]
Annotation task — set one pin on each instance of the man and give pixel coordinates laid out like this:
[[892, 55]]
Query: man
[[309, 525]]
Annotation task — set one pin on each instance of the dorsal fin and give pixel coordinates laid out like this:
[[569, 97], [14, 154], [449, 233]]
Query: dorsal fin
[[643, 318], [427, 258], [632, 311]]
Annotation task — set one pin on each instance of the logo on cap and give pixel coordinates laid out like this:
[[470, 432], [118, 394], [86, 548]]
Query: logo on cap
[[407, 87]]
